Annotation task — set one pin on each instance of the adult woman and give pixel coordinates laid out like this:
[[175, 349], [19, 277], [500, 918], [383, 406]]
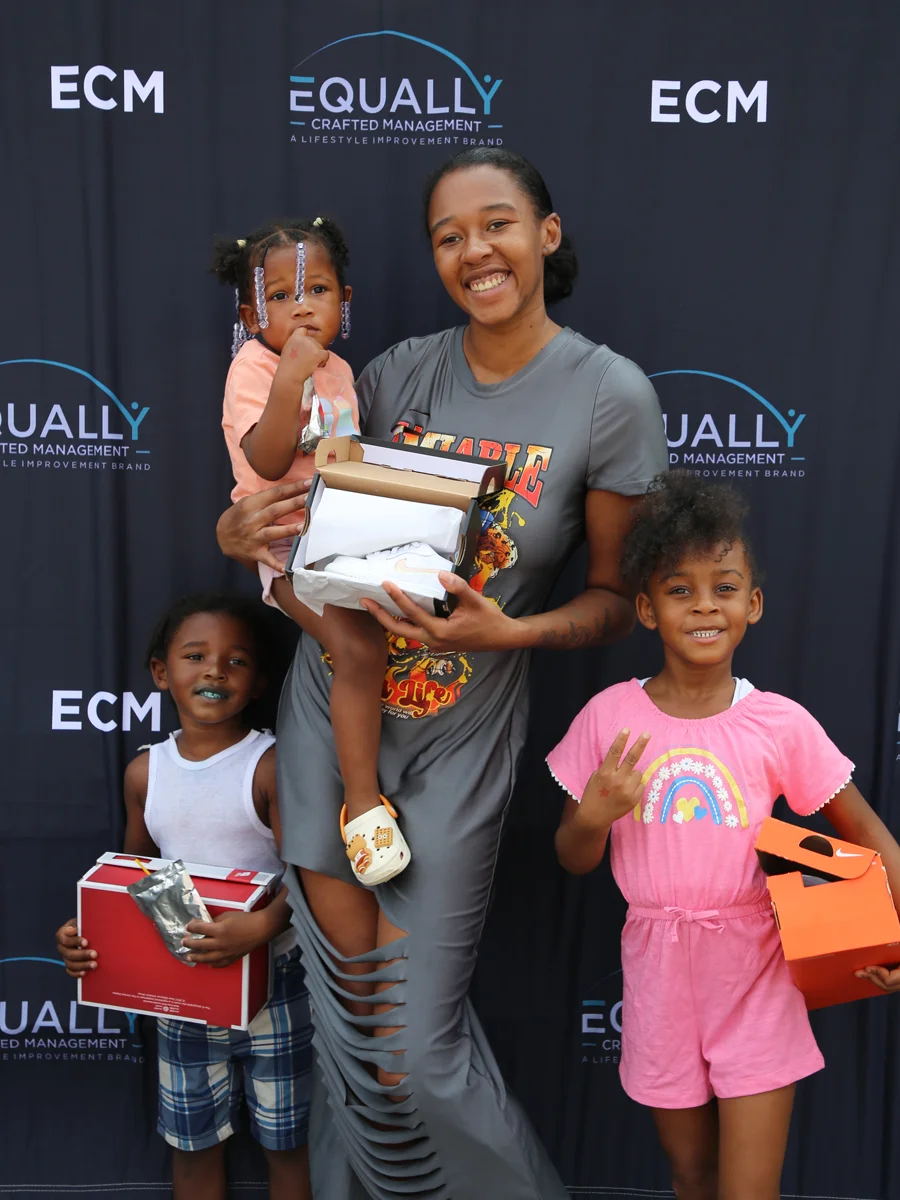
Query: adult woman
[[417, 1104]]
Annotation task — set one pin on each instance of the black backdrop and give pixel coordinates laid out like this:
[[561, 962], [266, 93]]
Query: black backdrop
[[748, 260]]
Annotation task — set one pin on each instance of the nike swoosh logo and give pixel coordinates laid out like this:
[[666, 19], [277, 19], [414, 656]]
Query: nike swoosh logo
[[403, 567], [843, 854]]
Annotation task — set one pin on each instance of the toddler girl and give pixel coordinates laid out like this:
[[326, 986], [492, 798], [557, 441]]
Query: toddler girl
[[715, 1034], [292, 300]]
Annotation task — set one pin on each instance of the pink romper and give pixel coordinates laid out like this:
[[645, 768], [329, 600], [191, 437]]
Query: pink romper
[[709, 1007]]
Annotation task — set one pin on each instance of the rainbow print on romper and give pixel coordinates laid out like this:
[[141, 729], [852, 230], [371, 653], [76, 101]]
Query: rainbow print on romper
[[688, 785]]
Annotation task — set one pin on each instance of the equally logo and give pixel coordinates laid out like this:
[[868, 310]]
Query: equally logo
[[81, 425], [601, 1025], [719, 427], [336, 98], [41, 1023]]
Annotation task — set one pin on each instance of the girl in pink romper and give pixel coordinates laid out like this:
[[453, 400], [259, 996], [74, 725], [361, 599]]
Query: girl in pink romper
[[715, 1034]]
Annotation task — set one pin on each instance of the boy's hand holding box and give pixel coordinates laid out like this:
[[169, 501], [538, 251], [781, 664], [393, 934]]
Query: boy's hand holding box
[[834, 911]]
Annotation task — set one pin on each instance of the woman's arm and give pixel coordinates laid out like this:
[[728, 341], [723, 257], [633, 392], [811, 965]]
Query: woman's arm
[[855, 821], [601, 613]]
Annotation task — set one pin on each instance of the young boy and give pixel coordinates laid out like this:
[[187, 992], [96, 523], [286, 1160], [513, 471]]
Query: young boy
[[207, 795]]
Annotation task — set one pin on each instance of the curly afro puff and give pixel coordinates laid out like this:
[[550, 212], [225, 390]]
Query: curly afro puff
[[681, 516]]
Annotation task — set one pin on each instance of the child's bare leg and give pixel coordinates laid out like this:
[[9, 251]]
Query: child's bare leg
[[358, 650], [690, 1139], [288, 1174], [753, 1134], [199, 1174]]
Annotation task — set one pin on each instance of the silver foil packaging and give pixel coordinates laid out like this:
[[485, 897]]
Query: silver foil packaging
[[170, 899], [313, 432]]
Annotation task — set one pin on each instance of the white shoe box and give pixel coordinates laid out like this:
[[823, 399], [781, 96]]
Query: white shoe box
[[374, 495]]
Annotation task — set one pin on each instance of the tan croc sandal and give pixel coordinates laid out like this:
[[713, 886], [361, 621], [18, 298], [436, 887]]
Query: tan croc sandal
[[375, 845]]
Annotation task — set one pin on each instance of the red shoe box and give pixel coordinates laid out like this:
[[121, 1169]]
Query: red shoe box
[[136, 973]]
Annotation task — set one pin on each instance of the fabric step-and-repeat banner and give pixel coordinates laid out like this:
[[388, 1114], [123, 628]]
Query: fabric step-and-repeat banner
[[730, 178]]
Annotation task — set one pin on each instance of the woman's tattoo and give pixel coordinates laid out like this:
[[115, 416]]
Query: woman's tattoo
[[578, 635]]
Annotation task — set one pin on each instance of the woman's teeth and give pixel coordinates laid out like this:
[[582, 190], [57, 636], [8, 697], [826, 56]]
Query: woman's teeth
[[492, 281]]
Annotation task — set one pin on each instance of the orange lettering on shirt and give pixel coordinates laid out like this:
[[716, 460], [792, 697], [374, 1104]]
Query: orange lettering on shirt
[[406, 433], [466, 446], [491, 450], [527, 485], [439, 441]]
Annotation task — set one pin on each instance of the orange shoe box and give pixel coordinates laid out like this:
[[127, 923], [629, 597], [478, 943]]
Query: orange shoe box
[[136, 973], [831, 930]]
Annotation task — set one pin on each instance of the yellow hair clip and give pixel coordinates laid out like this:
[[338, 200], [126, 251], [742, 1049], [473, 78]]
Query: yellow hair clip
[[241, 243], [318, 221]]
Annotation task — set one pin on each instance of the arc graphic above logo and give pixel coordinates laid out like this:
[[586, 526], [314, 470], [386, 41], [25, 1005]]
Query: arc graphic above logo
[[61, 417], [41, 1022], [719, 427], [339, 96]]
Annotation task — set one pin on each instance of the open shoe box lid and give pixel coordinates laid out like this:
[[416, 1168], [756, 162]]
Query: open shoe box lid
[[782, 848], [401, 472]]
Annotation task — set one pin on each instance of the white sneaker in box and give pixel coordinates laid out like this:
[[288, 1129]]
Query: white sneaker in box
[[404, 565]]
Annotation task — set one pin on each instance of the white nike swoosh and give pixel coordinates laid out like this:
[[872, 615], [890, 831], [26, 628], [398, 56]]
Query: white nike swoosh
[[404, 568], [843, 854]]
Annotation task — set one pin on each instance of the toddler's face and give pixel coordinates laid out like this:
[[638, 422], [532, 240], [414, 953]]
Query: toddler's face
[[702, 609], [320, 309], [211, 669]]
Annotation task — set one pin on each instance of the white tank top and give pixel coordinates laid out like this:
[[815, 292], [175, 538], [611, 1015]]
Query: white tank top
[[203, 812]]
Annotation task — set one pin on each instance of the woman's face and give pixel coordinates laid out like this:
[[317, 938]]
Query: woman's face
[[489, 244]]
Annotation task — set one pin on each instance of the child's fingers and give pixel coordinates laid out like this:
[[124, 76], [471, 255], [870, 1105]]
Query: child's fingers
[[629, 761], [616, 749]]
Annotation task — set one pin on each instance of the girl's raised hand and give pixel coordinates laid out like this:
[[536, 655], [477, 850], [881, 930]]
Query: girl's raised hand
[[616, 787]]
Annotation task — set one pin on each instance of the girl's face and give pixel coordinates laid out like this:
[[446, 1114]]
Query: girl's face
[[702, 609], [320, 309], [489, 245]]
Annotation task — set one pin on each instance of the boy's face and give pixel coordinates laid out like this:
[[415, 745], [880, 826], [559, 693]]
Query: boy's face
[[211, 669], [702, 609]]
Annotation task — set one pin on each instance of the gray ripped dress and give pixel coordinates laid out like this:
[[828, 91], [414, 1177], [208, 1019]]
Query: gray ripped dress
[[576, 417]]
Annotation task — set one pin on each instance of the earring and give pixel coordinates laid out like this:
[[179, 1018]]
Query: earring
[[345, 319], [300, 282], [239, 334], [259, 280]]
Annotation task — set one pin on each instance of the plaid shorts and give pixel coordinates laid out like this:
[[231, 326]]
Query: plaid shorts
[[204, 1069]]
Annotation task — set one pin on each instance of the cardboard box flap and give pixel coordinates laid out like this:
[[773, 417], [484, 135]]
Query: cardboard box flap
[[195, 870], [407, 472], [782, 847]]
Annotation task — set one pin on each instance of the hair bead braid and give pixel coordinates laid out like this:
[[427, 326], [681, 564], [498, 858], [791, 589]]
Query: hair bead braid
[[345, 319], [239, 334], [259, 282], [300, 284]]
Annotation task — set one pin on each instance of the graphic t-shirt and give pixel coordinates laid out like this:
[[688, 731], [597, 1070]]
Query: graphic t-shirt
[[708, 785], [576, 417], [247, 388]]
